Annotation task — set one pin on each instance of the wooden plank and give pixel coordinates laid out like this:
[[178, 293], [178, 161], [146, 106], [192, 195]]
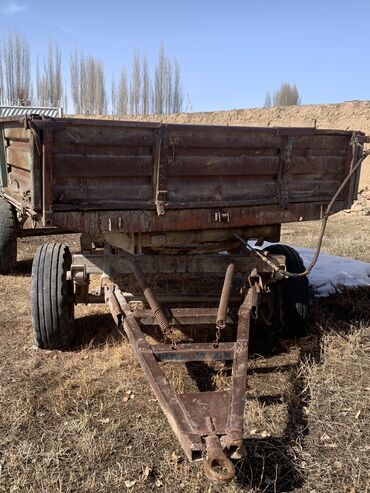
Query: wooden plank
[[319, 165], [19, 157], [15, 131], [85, 135], [216, 137], [95, 190], [211, 190], [102, 149], [102, 166], [223, 166], [235, 151]]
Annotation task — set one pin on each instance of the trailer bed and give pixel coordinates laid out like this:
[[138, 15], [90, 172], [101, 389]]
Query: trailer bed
[[135, 177]]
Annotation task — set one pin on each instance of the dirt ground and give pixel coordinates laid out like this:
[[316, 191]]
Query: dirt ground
[[352, 115], [85, 420]]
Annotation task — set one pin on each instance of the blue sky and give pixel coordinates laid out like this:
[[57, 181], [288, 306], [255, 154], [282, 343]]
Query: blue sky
[[230, 52]]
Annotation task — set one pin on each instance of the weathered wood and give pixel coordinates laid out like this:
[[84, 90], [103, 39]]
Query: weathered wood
[[186, 174]]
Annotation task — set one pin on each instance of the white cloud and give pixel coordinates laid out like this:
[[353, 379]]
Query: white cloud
[[13, 8]]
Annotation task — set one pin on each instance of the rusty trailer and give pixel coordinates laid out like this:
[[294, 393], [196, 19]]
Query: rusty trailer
[[155, 200]]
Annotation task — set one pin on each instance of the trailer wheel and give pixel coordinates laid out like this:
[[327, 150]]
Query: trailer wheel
[[293, 296], [52, 297], [8, 237]]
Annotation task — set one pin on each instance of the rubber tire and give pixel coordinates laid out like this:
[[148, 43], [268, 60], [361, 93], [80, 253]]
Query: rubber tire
[[294, 295], [8, 237], [52, 297]]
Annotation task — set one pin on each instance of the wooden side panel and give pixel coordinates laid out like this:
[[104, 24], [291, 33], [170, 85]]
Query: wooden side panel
[[3, 171], [16, 141], [153, 177], [102, 164]]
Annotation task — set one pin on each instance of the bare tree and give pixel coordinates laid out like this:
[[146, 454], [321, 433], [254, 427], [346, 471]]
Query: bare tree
[[40, 86], [49, 84], [120, 97], [16, 69], [123, 93], [88, 85], [53, 73], [146, 86], [286, 95], [168, 93], [177, 90], [113, 96], [268, 102], [135, 85], [2, 88], [159, 78], [75, 82], [100, 91], [168, 89]]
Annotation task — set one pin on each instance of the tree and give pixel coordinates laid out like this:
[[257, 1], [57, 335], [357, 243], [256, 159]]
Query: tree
[[178, 96], [286, 95], [159, 77], [2, 89], [120, 98], [168, 93], [268, 102], [88, 85], [16, 71], [135, 85], [75, 82], [49, 84], [146, 86]]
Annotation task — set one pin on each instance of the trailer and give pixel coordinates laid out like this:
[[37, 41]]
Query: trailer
[[152, 200]]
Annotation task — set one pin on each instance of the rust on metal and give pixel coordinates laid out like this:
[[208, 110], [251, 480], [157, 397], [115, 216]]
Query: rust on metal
[[151, 177], [174, 264], [158, 313], [217, 466], [187, 192], [225, 297], [183, 316], [207, 424], [195, 352]]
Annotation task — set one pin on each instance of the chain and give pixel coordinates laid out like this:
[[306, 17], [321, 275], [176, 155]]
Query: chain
[[219, 328]]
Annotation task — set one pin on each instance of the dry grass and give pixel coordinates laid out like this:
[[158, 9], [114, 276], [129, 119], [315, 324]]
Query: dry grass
[[336, 450], [86, 421], [346, 235]]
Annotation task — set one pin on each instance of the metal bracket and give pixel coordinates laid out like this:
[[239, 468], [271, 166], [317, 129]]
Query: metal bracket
[[160, 202], [160, 169], [284, 172]]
